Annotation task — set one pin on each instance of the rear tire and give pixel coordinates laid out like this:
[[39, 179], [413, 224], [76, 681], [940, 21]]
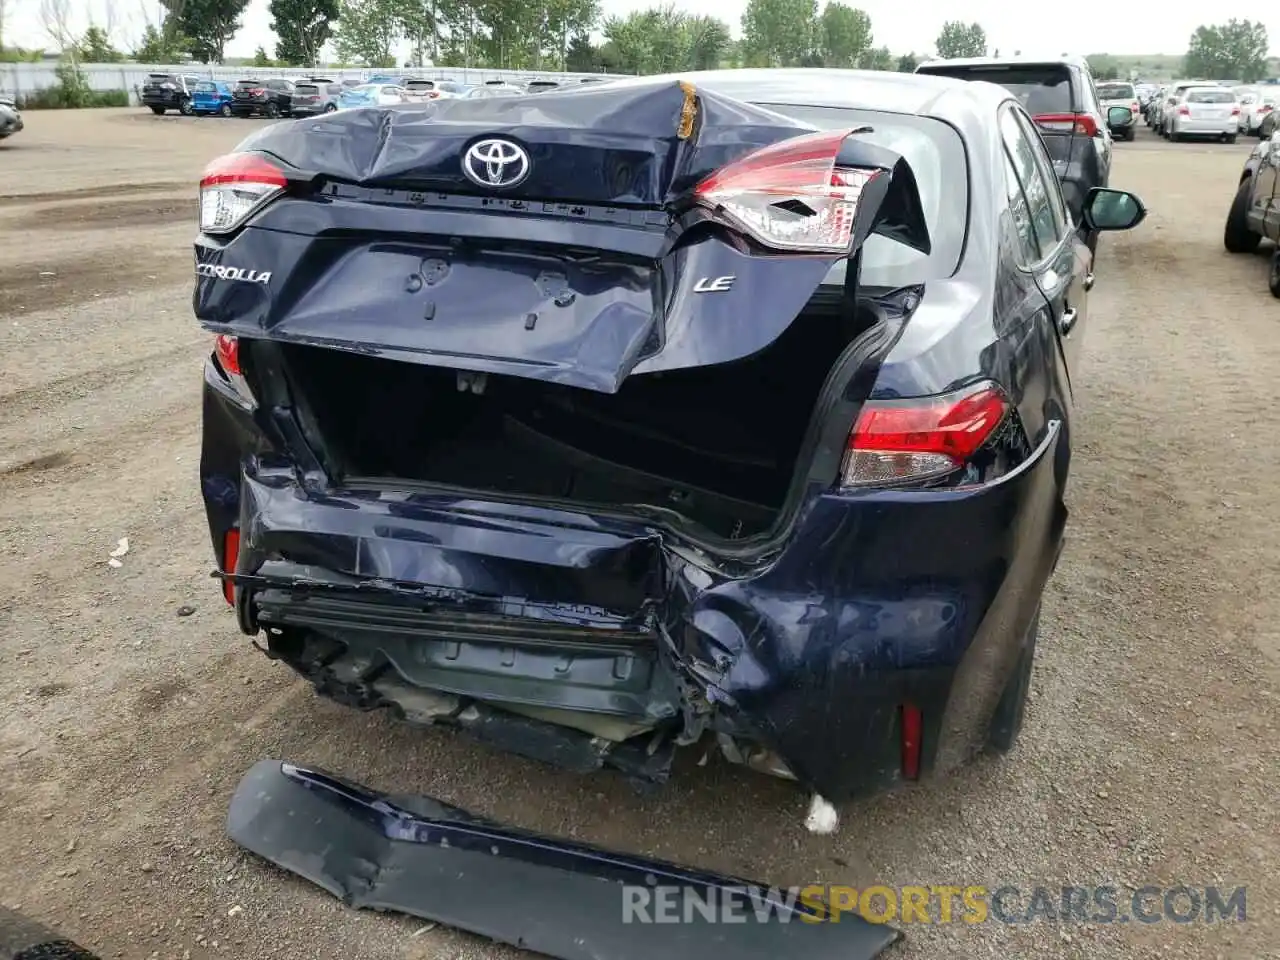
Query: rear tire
[[225, 110], [1011, 711], [1236, 236], [185, 108], [1273, 279], [158, 111], [272, 111], [330, 107], [1231, 138]]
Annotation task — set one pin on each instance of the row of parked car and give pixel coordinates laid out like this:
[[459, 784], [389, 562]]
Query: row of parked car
[[286, 97], [1205, 108]]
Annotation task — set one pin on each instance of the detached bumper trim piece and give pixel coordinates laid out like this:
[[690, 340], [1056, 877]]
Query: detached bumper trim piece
[[418, 856]]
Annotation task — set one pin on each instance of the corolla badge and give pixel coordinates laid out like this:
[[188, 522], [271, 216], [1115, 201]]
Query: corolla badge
[[242, 274], [496, 163]]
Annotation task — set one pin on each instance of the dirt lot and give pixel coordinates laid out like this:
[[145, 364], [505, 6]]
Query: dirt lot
[[1152, 754]]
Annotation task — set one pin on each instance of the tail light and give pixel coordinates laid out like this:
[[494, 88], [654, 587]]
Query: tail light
[[432, 94], [901, 441], [1235, 111], [234, 187], [1134, 108], [227, 350], [1184, 111], [1265, 108], [230, 559], [1080, 123], [791, 195]]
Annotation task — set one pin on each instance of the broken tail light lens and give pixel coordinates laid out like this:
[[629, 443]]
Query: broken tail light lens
[[236, 186], [791, 195], [226, 352], [905, 441]]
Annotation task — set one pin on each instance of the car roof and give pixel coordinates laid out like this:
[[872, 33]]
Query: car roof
[[944, 98], [1018, 61]]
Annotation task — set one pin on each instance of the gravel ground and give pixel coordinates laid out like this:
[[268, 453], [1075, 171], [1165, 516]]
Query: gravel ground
[[1152, 749]]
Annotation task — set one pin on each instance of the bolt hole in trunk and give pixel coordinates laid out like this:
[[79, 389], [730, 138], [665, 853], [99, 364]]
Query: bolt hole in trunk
[[715, 445]]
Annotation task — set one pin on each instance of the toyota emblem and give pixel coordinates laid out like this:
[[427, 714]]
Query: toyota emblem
[[496, 163]]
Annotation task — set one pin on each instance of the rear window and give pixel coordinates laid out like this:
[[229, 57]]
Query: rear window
[[248, 84], [937, 158], [206, 86], [307, 89], [159, 76], [1041, 89], [1116, 91], [1210, 96], [420, 85]]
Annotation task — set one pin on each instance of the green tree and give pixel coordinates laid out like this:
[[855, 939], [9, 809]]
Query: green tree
[[95, 47], [158, 46], [876, 58], [206, 25], [907, 63], [844, 34], [582, 56], [779, 33], [959, 39], [1235, 50], [366, 32], [709, 42], [260, 58], [302, 28]]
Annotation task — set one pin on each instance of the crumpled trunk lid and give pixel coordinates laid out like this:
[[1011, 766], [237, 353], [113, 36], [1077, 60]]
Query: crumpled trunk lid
[[626, 145], [590, 269]]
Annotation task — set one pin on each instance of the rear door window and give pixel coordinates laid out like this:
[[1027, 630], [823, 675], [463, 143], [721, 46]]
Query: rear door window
[[1057, 204], [1210, 96], [1116, 91], [1032, 181], [1028, 249]]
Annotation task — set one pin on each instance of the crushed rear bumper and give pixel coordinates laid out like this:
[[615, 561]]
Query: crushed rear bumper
[[418, 856], [513, 621]]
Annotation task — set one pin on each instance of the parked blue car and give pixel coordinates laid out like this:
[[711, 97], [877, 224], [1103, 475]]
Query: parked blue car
[[210, 97], [628, 416]]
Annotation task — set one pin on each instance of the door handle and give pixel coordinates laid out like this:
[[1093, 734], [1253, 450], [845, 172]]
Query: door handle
[[1088, 281], [1067, 320]]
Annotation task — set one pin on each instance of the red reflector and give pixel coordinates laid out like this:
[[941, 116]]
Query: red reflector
[[1184, 111], [242, 168], [230, 556], [1080, 123], [227, 350], [912, 726]]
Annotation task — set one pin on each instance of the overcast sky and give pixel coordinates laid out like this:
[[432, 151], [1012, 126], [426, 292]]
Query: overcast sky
[[902, 26]]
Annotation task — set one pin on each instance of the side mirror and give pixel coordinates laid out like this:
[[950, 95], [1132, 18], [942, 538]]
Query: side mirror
[[1107, 209], [1118, 116]]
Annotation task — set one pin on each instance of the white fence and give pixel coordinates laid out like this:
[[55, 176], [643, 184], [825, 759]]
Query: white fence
[[20, 79]]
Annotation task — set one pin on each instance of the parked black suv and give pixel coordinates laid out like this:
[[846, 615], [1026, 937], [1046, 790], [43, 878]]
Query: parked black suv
[[1060, 95], [272, 97], [168, 91]]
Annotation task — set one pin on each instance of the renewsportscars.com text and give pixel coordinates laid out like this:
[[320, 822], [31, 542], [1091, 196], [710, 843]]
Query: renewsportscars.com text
[[935, 904]]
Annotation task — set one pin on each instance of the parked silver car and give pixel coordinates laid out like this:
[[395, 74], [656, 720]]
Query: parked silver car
[[10, 118], [314, 96]]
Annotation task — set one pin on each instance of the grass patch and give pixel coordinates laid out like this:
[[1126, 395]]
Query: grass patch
[[54, 98]]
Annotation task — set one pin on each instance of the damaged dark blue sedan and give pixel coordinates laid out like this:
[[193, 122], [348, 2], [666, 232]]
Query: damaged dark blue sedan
[[730, 406]]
